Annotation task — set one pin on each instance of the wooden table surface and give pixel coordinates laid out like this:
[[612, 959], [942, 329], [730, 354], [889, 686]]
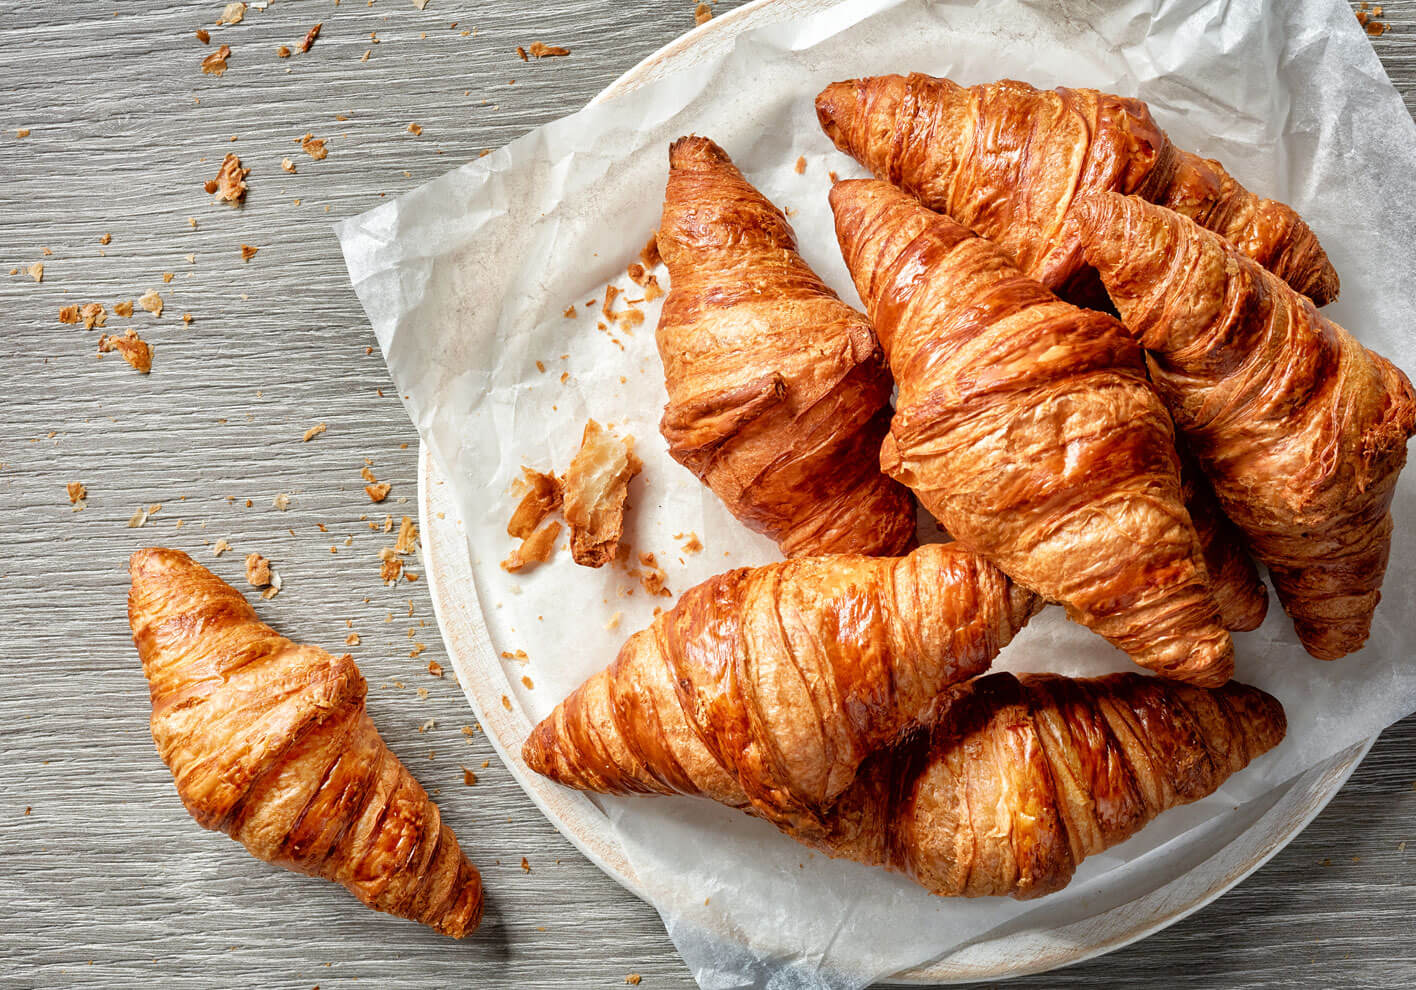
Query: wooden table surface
[[106, 881]]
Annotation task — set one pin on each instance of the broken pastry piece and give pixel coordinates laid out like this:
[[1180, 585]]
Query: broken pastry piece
[[536, 548], [543, 496], [595, 490], [1301, 430]]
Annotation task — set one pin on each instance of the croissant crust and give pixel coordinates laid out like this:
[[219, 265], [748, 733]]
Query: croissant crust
[[778, 393], [269, 741], [1009, 161], [1027, 427], [1301, 430]]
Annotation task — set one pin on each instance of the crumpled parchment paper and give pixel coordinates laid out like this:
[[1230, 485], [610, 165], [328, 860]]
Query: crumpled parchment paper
[[467, 278]]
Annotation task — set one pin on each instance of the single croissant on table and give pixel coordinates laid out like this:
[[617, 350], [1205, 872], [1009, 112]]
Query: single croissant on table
[[765, 688], [1009, 161], [778, 393], [1027, 427], [269, 742], [1301, 429], [1022, 778]]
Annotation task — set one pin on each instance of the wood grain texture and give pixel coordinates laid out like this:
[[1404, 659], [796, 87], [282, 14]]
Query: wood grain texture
[[108, 882]]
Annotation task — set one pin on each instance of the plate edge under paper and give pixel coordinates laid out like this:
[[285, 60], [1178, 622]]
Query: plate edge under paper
[[484, 683]]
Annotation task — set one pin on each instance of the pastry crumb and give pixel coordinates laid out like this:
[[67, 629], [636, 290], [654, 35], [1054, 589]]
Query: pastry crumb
[[36, 271], [415, 129], [152, 302], [543, 496], [220, 547], [378, 492], [434, 668], [633, 979], [407, 536], [525, 866], [800, 165], [215, 63], [536, 548], [309, 38], [702, 14], [538, 49], [287, 165], [229, 186], [232, 14], [468, 777], [258, 573], [314, 147], [124, 308], [132, 348], [314, 431], [77, 492], [248, 251]]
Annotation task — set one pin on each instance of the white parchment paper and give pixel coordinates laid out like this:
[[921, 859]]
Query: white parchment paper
[[466, 279]]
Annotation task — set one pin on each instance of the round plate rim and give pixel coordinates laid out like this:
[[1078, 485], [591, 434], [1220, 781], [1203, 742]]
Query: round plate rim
[[576, 816]]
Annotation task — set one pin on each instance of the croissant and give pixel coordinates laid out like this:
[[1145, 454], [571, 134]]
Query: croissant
[[1301, 429], [778, 393], [1027, 427], [1022, 778], [1234, 582], [1009, 160], [269, 742], [765, 688]]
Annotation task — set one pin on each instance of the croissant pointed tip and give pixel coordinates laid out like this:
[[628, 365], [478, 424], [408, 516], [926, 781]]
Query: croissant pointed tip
[[692, 149]]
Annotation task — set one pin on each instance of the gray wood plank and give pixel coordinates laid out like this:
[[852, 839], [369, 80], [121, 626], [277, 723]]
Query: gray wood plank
[[108, 882]]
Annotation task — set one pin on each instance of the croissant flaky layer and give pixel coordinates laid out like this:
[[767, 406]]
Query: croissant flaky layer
[[1022, 778], [765, 688], [1027, 427], [778, 393], [1301, 429], [1009, 160], [269, 742]]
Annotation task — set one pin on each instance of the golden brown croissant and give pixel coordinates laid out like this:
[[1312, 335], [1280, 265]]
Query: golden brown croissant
[[1027, 426], [1022, 778], [778, 394], [269, 742], [1234, 581], [1008, 160], [1301, 430], [766, 687]]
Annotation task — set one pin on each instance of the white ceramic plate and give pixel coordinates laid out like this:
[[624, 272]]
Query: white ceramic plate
[[1247, 837]]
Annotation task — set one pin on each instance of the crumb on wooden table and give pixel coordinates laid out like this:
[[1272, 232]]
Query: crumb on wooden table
[[314, 431], [132, 348], [152, 302], [309, 38], [229, 186], [215, 63]]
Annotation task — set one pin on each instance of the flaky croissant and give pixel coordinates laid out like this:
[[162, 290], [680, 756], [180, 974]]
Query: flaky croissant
[[1301, 430], [269, 742], [1022, 778], [1027, 427], [778, 394], [1009, 160], [765, 688]]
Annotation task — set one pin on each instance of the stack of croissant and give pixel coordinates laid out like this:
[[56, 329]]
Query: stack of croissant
[[1114, 391]]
